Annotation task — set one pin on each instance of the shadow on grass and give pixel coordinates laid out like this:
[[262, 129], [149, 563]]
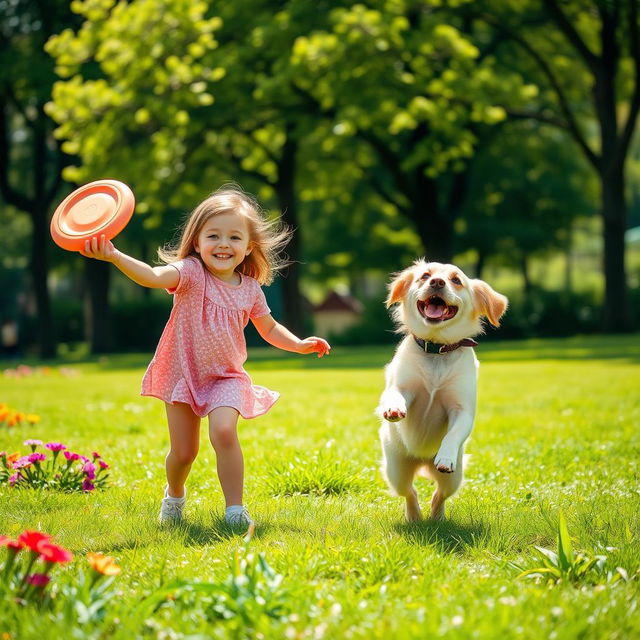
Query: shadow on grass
[[448, 536], [197, 534]]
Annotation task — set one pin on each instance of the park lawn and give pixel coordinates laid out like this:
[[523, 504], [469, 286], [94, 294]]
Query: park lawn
[[556, 431]]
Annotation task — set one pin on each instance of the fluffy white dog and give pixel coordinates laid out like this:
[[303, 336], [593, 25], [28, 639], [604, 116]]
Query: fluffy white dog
[[429, 402]]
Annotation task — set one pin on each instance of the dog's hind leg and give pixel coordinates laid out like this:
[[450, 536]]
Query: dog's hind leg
[[446, 485], [398, 470]]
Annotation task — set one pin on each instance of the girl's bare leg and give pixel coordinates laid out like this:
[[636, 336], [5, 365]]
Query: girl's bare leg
[[223, 433], [184, 434]]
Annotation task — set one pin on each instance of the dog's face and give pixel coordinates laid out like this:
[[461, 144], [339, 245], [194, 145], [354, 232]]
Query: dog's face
[[439, 303]]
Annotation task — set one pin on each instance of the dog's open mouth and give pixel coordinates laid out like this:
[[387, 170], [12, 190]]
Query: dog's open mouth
[[435, 309]]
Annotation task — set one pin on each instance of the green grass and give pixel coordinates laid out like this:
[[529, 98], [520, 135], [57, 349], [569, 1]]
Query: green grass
[[556, 430]]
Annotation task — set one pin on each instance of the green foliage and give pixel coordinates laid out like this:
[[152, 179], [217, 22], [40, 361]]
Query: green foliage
[[246, 603], [548, 437], [320, 474], [567, 566]]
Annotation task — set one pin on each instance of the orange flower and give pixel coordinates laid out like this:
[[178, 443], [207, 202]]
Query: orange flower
[[103, 564], [12, 458]]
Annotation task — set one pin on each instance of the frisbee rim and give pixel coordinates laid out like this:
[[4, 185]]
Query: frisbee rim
[[120, 213]]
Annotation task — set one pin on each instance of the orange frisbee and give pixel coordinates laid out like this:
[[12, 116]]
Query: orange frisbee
[[100, 207]]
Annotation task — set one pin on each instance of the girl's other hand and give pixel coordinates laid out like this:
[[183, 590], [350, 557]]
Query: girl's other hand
[[314, 345], [100, 249]]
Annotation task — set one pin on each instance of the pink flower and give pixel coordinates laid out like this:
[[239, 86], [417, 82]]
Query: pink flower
[[55, 446], [89, 470], [95, 455], [37, 457], [38, 579], [103, 464], [22, 462], [32, 443], [14, 479], [87, 485], [72, 457]]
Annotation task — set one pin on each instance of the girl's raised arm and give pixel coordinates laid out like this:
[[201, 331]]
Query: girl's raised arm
[[279, 336], [164, 277]]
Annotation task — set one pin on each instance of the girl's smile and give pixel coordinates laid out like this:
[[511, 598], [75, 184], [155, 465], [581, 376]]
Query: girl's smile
[[223, 243]]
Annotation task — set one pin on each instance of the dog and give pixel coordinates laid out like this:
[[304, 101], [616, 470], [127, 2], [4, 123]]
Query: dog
[[429, 401]]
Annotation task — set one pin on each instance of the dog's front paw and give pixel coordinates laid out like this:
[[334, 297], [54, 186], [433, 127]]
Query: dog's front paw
[[393, 415], [444, 464]]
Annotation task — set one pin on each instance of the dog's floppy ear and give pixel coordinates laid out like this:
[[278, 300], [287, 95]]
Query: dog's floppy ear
[[399, 286], [488, 302]]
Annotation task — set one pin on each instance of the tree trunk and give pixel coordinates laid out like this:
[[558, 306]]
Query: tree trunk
[[524, 268], [434, 229], [98, 316], [38, 270], [285, 189], [614, 215]]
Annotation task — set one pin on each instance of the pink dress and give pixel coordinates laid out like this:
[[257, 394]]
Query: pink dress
[[202, 350]]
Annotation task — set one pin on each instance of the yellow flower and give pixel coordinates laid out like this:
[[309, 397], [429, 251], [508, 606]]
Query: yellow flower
[[103, 564], [33, 418]]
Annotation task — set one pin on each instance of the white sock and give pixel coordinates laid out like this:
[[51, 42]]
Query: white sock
[[166, 495], [233, 510]]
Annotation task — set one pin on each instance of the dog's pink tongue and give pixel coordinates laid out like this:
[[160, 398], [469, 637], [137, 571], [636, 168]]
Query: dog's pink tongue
[[435, 310]]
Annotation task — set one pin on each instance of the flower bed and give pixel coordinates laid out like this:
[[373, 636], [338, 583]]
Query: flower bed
[[67, 472], [11, 417]]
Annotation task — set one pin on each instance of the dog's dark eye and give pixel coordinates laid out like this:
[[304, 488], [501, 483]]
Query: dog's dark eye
[[425, 276], [456, 280]]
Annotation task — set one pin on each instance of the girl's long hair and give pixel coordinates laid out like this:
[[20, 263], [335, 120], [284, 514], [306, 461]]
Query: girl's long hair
[[267, 237]]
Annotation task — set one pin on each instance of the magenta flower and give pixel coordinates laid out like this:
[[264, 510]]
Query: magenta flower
[[87, 485], [103, 464], [55, 446], [89, 470], [14, 478], [37, 457], [21, 463], [96, 455], [38, 579], [70, 456]]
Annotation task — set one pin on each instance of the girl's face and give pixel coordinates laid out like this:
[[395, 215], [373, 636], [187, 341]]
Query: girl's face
[[223, 243]]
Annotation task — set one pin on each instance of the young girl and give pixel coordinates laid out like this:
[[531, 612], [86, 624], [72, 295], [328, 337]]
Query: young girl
[[226, 251]]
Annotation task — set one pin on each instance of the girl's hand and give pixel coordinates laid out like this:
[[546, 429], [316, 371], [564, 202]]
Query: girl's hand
[[100, 249], [314, 344]]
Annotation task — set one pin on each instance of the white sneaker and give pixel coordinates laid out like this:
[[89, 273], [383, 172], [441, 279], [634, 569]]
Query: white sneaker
[[238, 516], [171, 508]]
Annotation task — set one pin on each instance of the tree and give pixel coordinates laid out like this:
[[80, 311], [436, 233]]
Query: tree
[[527, 188], [205, 102], [585, 55], [403, 79], [31, 160]]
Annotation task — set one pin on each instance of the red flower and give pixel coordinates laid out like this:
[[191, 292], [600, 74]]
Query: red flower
[[13, 545], [50, 552], [32, 539], [38, 579]]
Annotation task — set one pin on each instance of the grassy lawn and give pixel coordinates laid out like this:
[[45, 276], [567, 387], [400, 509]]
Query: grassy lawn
[[556, 431]]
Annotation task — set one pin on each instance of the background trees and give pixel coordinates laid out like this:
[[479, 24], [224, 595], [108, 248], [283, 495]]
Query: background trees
[[379, 130]]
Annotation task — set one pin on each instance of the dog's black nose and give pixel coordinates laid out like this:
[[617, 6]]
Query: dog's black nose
[[436, 283]]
